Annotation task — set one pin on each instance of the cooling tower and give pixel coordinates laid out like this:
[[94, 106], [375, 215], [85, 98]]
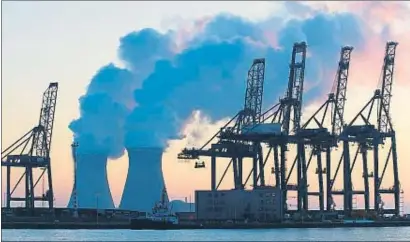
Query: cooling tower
[[92, 184], [145, 181]]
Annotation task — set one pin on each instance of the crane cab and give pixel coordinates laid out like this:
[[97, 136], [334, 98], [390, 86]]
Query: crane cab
[[199, 164]]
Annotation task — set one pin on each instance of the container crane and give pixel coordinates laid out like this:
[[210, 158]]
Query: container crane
[[369, 136], [315, 133], [230, 148], [32, 151], [280, 114]]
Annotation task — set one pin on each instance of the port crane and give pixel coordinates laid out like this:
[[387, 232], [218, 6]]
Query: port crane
[[231, 148], [369, 135], [281, 114], [31, 152], [315, 134]]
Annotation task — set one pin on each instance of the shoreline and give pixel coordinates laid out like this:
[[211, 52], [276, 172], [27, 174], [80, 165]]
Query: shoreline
[[93, 226]]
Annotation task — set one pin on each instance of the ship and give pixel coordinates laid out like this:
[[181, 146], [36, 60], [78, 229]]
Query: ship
[[160, 218]]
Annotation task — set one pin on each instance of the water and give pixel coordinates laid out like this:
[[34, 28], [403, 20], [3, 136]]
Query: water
[[334, 234]]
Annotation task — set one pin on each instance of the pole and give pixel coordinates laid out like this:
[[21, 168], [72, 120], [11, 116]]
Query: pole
[[75, 197], [42, 184], [190, 203], [97, 205]]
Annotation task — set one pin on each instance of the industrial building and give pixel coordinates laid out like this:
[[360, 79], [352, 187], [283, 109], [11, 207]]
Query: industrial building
[[261, 204]]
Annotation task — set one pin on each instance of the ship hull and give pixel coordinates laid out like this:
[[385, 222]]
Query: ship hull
[[156, 225], [138, 224]]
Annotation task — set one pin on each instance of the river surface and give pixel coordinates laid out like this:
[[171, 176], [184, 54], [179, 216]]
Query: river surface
[[333, 234]]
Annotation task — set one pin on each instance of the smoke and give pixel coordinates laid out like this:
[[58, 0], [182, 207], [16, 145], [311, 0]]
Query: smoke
[[208, 74], [109, 96], [103, 111], [140, 50]]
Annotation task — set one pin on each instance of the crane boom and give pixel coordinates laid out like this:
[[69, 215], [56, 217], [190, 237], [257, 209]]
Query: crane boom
[[295, 87], [42, 138], [254, 92], [341, 89], [383, 119]]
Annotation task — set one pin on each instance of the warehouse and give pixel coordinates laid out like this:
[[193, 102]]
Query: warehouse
[[261, 204]]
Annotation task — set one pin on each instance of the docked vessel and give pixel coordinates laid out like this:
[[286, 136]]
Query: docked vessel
[[160, 218]]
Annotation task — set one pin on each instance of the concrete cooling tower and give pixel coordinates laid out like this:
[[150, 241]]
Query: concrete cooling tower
[[144, 184], [92, 184]]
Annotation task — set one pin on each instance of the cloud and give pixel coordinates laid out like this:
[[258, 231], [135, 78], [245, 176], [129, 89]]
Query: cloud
[[109, 96], [209, 72]]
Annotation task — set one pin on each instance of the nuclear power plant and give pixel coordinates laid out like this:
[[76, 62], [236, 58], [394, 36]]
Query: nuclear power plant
[[91, 189], [145, 180]]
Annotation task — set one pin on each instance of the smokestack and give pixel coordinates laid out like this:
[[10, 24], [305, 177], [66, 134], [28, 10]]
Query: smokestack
[[145, 180], [93, 190]]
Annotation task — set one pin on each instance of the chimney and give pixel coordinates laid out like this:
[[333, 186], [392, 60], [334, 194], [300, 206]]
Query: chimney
[[93, 190], [145, 181]]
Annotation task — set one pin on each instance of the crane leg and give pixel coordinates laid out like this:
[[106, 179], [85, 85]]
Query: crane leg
[[366, 180], [396, 176], [283, 176], [320, 180], [261, 166], [50, 189], [376, 176], [348, 199], [8, 195], [276, 165], [235, 172], [240, 172], [328, 180], [213, 173], [255, 171]]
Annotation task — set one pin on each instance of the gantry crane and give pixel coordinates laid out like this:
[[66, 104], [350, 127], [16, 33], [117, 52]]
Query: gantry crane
[[32, 151], [281, 114], [369, 136], [315, 134], [236, 150]]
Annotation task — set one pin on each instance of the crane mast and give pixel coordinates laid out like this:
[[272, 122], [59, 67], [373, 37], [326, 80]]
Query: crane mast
[[341, 90], [295, 87], [386, 90], [254, 92], [43, 139]]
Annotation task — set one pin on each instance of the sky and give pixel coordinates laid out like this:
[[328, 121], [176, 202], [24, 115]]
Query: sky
[[69, 41]]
